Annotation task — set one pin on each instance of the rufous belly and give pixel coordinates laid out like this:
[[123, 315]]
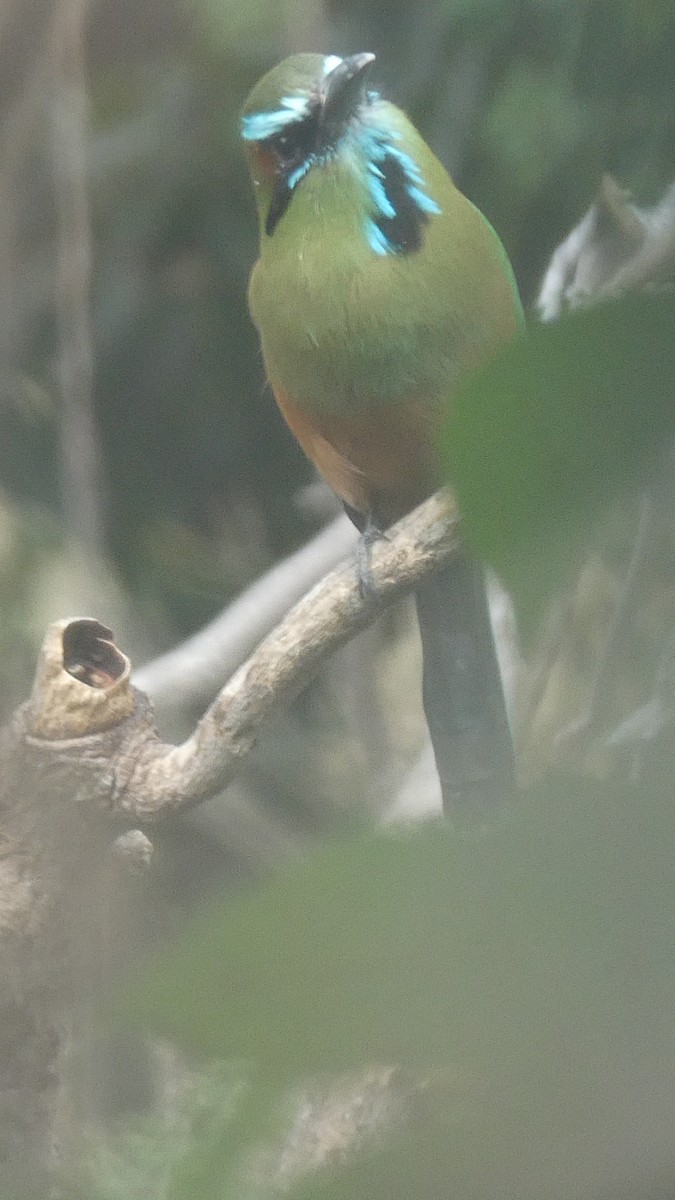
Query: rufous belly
[[383, 463]]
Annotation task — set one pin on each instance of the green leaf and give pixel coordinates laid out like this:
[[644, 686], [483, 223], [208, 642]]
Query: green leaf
[[553, 430], [528, 973]]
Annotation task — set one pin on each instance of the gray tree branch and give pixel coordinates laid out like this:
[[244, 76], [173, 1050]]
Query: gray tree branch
[[86, 723], [81, 763], [196, 668]]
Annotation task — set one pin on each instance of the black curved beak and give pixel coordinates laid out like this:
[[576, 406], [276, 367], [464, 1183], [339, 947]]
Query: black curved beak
[[343, 88]]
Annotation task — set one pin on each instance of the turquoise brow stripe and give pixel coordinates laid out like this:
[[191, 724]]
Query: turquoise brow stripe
[[256, 127]]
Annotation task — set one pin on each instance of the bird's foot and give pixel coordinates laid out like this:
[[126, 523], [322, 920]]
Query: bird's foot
[[370, 534]]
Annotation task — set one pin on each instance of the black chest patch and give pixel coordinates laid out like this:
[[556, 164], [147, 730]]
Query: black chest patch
[[402, 206], [403, 230]]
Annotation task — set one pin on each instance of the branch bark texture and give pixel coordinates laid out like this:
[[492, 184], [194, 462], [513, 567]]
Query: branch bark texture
[[88, 731], [81, 763], [153, 780]]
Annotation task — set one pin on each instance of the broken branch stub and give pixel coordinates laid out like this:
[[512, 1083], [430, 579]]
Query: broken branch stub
[[92, 734], [81, 684], [82, 714]]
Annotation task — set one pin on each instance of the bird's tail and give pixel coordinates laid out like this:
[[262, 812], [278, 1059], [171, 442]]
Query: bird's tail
[[463, 696]]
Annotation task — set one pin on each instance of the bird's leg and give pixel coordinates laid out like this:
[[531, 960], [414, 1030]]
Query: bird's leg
[[370, 533]]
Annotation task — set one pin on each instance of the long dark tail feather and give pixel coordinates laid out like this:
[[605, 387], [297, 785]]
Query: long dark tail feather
[[463, 695]]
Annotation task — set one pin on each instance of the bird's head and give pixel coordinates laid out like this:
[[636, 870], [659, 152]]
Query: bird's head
[[314, 119]]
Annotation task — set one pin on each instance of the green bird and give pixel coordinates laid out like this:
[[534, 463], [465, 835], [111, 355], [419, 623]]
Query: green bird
[[378, 287]]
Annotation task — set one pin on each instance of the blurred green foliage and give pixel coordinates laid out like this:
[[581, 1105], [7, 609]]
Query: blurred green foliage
[[526, 975], [554, 431], [432, 946]]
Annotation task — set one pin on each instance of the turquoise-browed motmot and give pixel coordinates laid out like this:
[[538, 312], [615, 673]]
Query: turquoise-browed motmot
[[378, 286]]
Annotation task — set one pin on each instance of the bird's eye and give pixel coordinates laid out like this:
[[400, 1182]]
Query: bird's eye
[[294, 145], [285, 148]]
